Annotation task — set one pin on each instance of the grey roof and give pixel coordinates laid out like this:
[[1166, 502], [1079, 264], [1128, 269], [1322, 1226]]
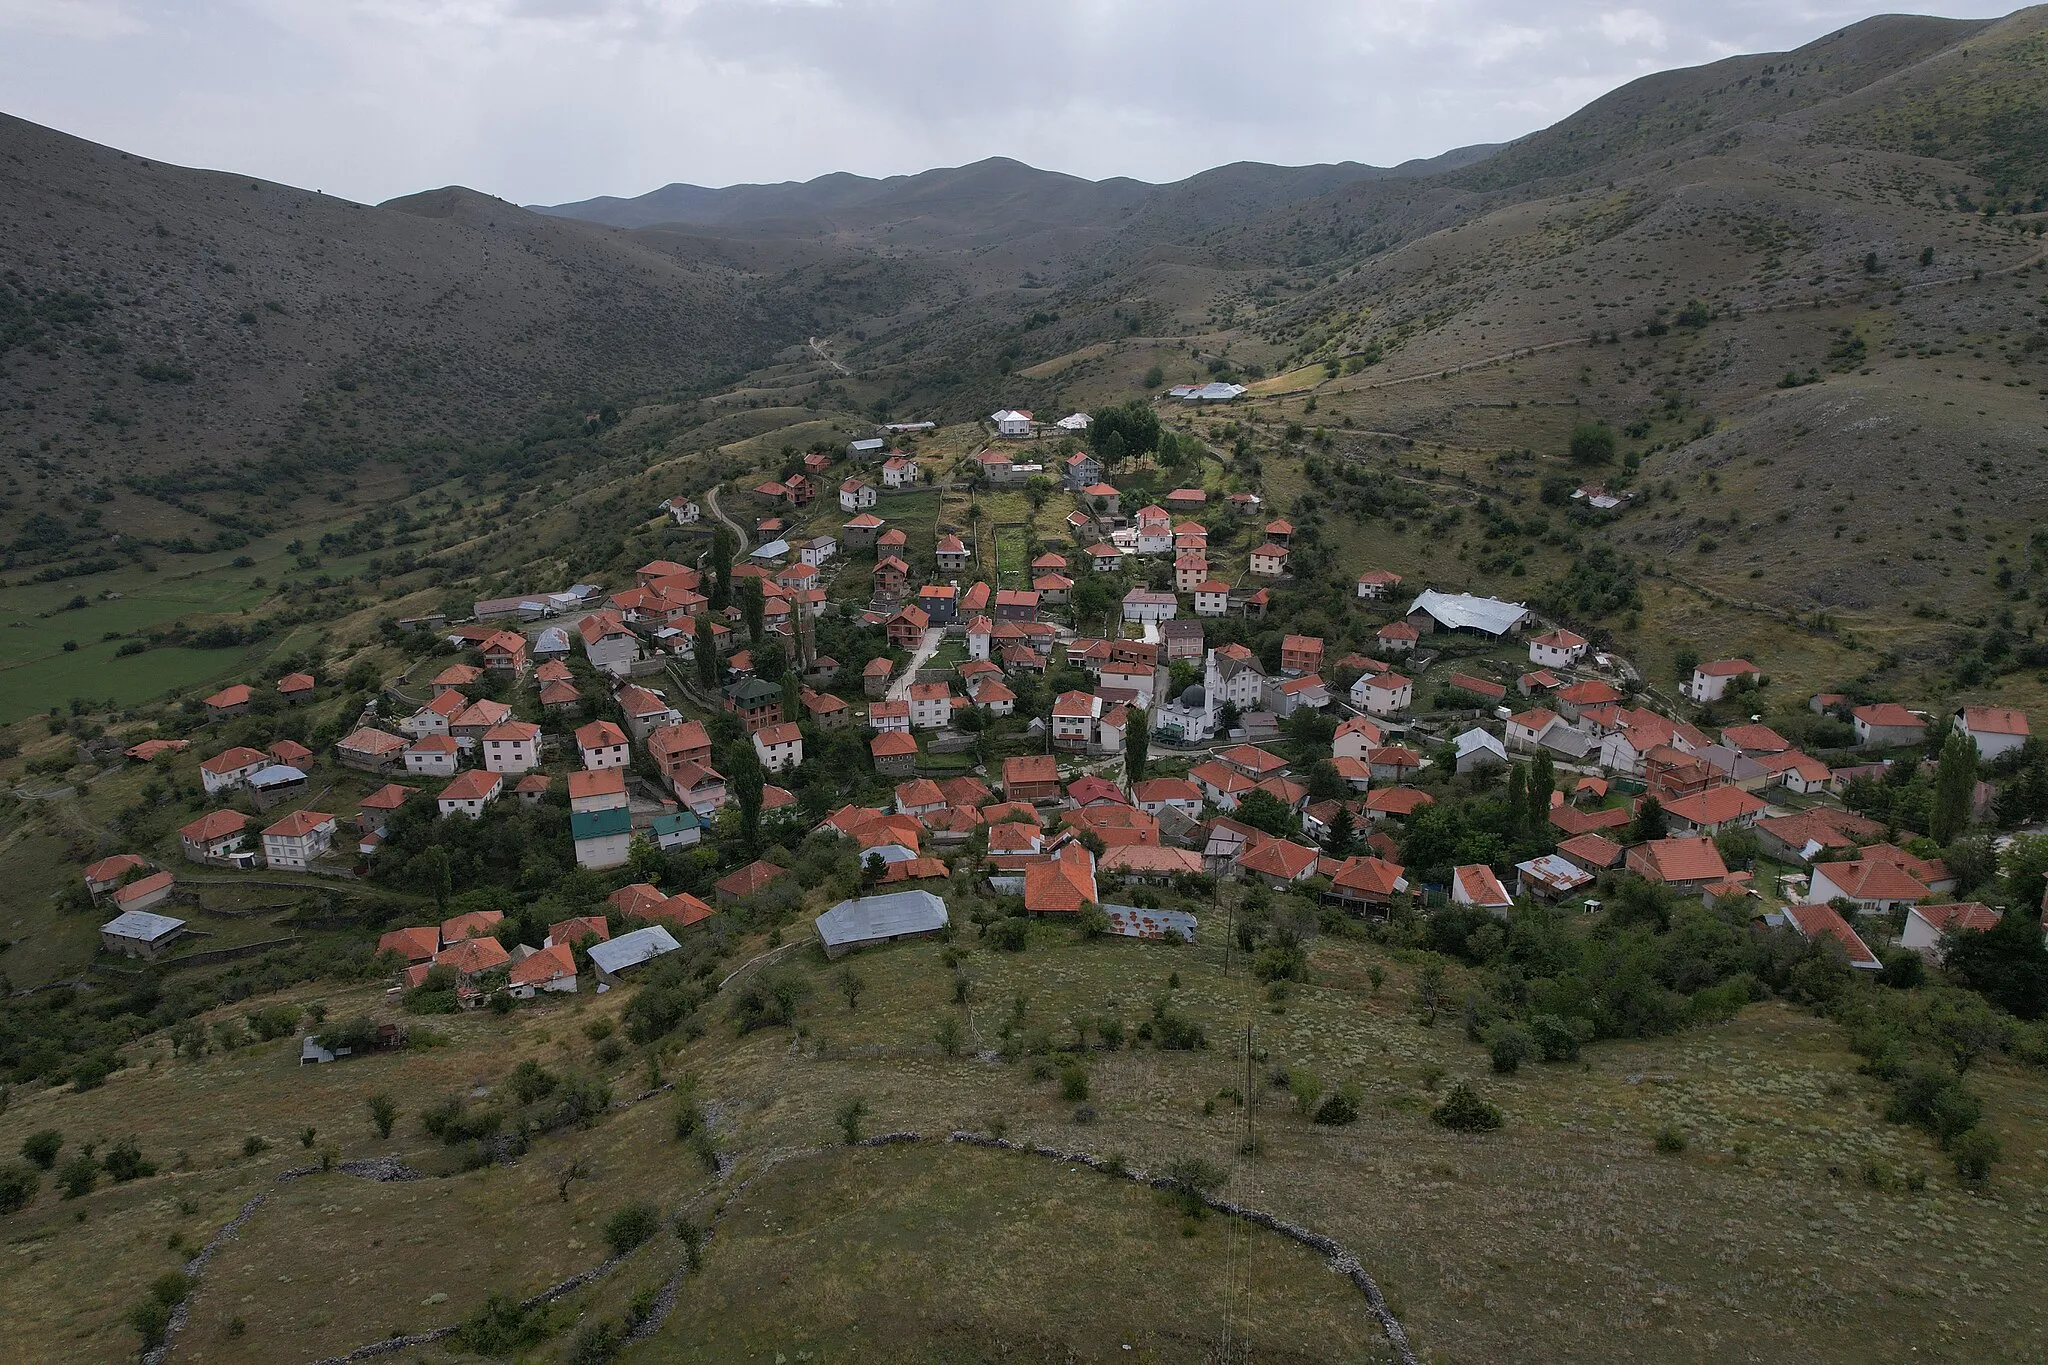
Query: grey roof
[[142, 925], [1131, 922], [1463, 611], [874, 442], [879, 917], [552, 640], [630, 950], [774, 549], [276, 775], [1478, 739], [1559, 874], [1567, 742]]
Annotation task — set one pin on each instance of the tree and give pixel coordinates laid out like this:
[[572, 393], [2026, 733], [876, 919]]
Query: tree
[[850, 984], [42, 1147], [1338, 841], [1263, 810], [1592, 443], [1131, 429], [707, 654], [1649, 821], [1137, 743], [1684, 661], [645, 859], [721, 567], [752, 605], [848, 1117], [792, 699], [383, 1113], [1955, 788], [1037, 489], [746, 781], [1542, 782], [2025, 868], [2007, 963]]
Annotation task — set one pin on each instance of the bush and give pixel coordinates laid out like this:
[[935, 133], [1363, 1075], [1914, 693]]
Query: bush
[[152, 1320], [274, 1021], [79, 1176], [124, 1162], [42, 1147], [500, 1327], [1073, 1083], [630, 1226], [1010, 935], [170, 1288], [1934, 1100], [1339, 1109], [848, 1118], [1463, 1111], [1509, 1047], [383, 1113], [1559, 1039], [1670, 1141], [1974, 1152], [18, 1186]]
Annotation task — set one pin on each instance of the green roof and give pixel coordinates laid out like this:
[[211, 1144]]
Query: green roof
[[678, 822], [753, 690], [599, 824]]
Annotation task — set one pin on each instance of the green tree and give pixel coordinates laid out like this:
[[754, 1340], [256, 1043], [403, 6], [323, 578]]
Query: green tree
[[1137, 743], [752, 605], [1542, 782], [1649, 821], [1342, 833], [1592, 443], [1955, 788], [383, 1113], [1130, 429], [706, 652], [746, 781], [42, 1147], [792, 699], [721, 567]]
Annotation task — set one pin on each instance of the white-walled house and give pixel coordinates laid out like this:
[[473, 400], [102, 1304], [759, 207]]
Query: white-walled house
[[857, 495], [684, 510], [1711, 681], [469, 793], [513, 747], [1382, 694], [295, 841], [1995, 730], [1143, 604], [1559, 648], [433, 756], [1011, 422], [779, 746], [1212, 598], [610, 646], [602, 744], [818, 549], [232, 768]]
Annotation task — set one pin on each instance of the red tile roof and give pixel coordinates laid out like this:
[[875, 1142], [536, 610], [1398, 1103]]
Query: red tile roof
[[751, 878]]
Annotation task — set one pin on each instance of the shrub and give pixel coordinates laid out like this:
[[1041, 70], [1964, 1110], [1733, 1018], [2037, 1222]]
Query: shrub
[[1340, 1108], [253, 1145], [949, 1035], [1670, 1141], [274, 1021], [1509, 1047], [152, 1320], [124, 1162], [1974, 1152], [629, 1227], [1463, 1111], [1560, 1039], [500, 1327], [1073, 1083], [1010, 935], [18, 1186], [1191, 1178], [42, 1147], [848, 1117], [79, 1176], [531, 1081], [170, 1288], [1935, 1100], [1307, 1088], [383, 1113]]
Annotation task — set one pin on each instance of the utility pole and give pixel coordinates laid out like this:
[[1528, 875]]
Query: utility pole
[[1251, 1094]]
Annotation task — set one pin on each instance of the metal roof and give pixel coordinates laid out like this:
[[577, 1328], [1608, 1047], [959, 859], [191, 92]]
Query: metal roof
[[879, 917], [142, 925], [599, 824], [630, 950], [1463, 611], [277, 774], [1478, 739], [774, 549]]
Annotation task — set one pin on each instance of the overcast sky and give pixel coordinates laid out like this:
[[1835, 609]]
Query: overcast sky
[[553, 100]]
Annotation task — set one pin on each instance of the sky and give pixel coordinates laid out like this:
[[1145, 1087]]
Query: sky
[[546, 101]]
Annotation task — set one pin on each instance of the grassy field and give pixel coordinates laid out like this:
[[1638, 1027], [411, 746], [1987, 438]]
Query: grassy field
[[1567, 1236]]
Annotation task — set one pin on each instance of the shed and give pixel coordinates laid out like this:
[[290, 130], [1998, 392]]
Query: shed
[[869, 920], [138, 933], [622, 954]]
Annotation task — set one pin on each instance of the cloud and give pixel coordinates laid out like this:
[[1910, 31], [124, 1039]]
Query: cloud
[[545, 100]]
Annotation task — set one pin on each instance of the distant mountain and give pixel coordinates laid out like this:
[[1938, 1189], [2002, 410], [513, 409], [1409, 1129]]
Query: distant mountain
[[997, 193]]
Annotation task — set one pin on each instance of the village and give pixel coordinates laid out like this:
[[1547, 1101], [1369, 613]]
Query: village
[[1099, 728]]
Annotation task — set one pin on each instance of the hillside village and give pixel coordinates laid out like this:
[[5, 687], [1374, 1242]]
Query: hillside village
[[1097, 726]]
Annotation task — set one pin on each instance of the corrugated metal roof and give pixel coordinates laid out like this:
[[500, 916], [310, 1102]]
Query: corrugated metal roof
[[1463, 611], [630, 950], [877, 917], [141, 924], [599, 824]]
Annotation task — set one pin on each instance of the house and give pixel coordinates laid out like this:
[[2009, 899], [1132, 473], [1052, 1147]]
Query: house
[[144, 893], [1382, 694], [1285, 696], [1017, 604], [1710, 681], [149, 750], [139, 933], [1221, 785], [229, 701], [1755, 741], [295, 841], [1537, 682], [1156, 794], [1591, 853], [513, 747], [700, 787], [1366, 885], [231, 768], [1682, 864], [1142, 604], [1082, 470], [862, 530], [1713, 810], [1815, 922], [1356, 738], [1376, 585], [533, 788], [1558, 648], [433, 756], [683, 510], [1011, 422], [825, 711], [1280, 863], [874, 675], [857, 495], [1886, 725], [645, 711], [1398, 637], [680, 829], [296, 687], [872, 920], [899, 471], [758, 704], [1190, 570], [1868, 883], [1233, 675], [938, 602], [1270, 560], [469, 793], [859, 450], [890, 715], [1995, 730], [1478, 749], [1063, 884], [931, 705], [506, 652], [1054, 589], [215, 836], [552, 968], [1181, 639], [1073, 720], [1475, 884], [1927, 925], [996, 465], [601, 744], [754, 877], [602, 837], [1153, 525], [1574, 701], [951, 553], [1034, 778], [1301, 655], [1550, 878], [1104, 558], [907, 627], [1489, 616], [1212, 598], [779, 746], [614, 959]]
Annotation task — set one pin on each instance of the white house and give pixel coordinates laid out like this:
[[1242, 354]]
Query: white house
[[1886, 725], [979, 631], [1269, 560], [433, 756], [1356, 738], [1212, 598], [818, 549], [857, 495], [1526, 730], [513, 747], [899, 471], [232, 768], [1142, 604], [1557, 649], [684, 510], [1010, 422], [1994, 729], [779, 746], [1073, 720], [1233, 675], [601, 744], [469, 793], [602, 838], [1285, 696], [1075, 422], [1926, 924], [1476, 884], [610, 646], [1711, 681], [1154, 526], [931, 705], [1128, 677], [295, 841], [1382, 694]]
